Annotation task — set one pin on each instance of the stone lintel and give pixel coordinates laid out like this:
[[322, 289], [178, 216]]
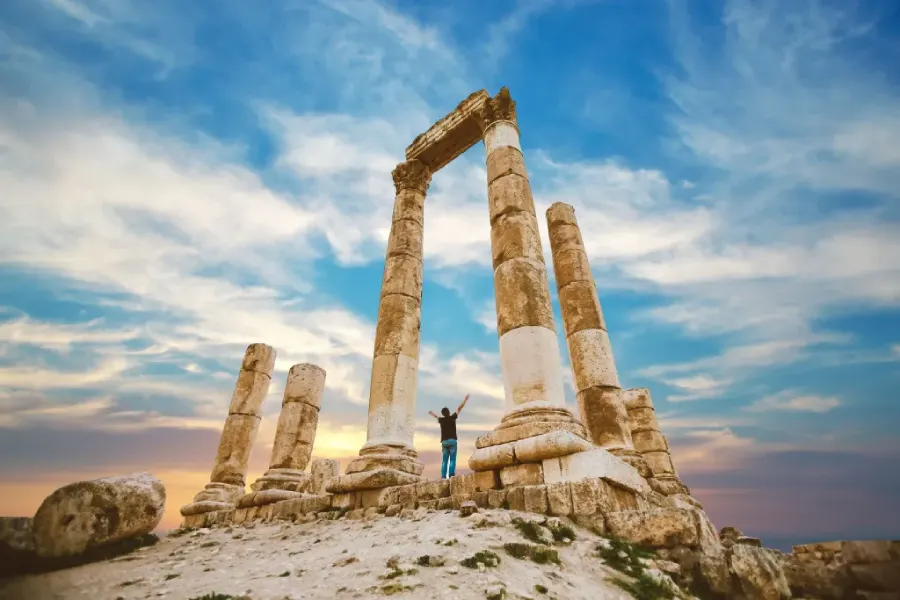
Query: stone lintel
[[450, 136]]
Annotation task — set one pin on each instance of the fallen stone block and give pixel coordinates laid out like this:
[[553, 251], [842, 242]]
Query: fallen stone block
[[89, 514], [593, 464], [467, 508]]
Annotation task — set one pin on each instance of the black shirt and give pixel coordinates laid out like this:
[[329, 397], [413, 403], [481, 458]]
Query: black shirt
[[448, 427]]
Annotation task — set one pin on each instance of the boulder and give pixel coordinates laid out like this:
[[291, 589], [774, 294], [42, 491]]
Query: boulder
[[86, 515], [16, 545], [757, 574]]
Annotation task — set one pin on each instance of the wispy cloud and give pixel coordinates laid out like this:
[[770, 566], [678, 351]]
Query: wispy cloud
[[792, 401]]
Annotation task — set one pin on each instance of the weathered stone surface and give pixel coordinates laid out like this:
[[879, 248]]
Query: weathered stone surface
[[581, 309], [406, 239], [314, 504], [535, 499], [259, 358], [402, 275], [290, 480], [295, 436], [565, 237], [570, 266], [370, 462], [505, 160], [235, 445], [392, 398], [467, 508], [660, 528], [451, 135], [650, 441], [497, 498], [249, 392], [757, 574], [859, 552], [877, 576], [264, 497], [88, 514], [593, 463], [515, 499], [398, 326], [527, 474], [498, 108], [549, 445], [369, 480], [510, 194], [322, 471], [515, 235], [411, 175], [486, 480], [492, 458], [462, 485], [559, 498], [409, 204], [432, 490], [604, 416], [522, 296], [526, 430], [660, 463], [585, 496]]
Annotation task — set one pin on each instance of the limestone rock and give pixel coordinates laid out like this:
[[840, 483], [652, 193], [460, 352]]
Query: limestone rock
[[757, 574], [468, 508], [87, 514], [661, 528]]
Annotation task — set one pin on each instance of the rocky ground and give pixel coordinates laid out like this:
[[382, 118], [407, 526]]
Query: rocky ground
[[426, 554]]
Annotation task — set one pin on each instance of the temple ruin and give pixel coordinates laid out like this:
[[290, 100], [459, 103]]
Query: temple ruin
[[540, 457]]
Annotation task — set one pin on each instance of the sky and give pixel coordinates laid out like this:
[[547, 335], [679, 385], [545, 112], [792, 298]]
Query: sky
[[179, 180]]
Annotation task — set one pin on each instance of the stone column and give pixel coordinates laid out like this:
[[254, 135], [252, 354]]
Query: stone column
[[294, 438], [590, 353], [388, 457], [226, 484], [651, 443], [529, 348]]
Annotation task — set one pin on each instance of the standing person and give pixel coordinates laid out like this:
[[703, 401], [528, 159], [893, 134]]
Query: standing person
[[448, 438]]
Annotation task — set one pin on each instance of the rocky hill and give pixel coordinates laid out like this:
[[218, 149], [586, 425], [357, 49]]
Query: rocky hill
[[426, 554]]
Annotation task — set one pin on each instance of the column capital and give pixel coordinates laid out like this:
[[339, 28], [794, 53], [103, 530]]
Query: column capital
[[499, 108], [411, 175]]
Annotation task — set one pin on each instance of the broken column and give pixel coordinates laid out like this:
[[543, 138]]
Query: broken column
[[529, 348], [590, 353], [294, 438], [388, 457], [651, 443], [226, 483]]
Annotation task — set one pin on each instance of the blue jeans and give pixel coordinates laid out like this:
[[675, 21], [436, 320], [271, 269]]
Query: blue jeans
[[449, 448]]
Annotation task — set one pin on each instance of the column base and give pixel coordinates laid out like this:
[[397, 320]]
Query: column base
[[215, 496], [267, 496], [386, 456], [379, 466], [282, 479]]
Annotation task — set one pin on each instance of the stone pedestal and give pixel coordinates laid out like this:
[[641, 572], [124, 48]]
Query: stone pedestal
[[294, 438], [651, 443], [226, 484], [529, 349], [388, 456]]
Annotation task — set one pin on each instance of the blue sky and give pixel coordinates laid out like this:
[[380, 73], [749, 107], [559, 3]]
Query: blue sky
[[178, 180]]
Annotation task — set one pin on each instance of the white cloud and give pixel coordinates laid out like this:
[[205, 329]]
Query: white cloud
[[793, 402]]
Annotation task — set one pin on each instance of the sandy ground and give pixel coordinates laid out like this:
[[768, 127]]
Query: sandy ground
[[333, 559]]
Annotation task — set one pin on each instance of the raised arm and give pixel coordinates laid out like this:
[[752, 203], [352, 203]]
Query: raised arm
[[461, 406], [433, 415]]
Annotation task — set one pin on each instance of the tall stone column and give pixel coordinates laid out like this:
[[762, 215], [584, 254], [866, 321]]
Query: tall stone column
[[226, 483], [388, 456], [651, 443], [294, 438], [597, 388], [529, 348]]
